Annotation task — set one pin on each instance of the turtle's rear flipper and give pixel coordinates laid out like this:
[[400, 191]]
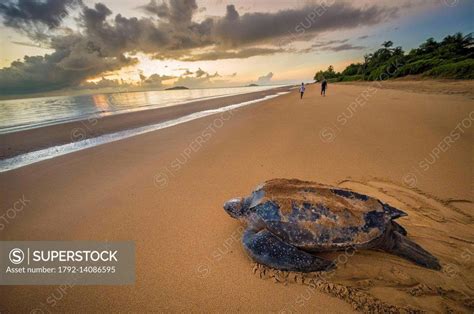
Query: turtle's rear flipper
[[400, 245], [266, 248]]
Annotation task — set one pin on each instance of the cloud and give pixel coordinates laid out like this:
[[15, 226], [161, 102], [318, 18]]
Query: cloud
[[104, 40], [363, 37], [170, 36], [73, 61], [31, 17], [265, 79], [201, 73], [181, 11], [101, 47], [234, 29], [343, 47], [331, 45], [231, 54], [160, 10], [175, 35], [187, 72], [27, 44], [155, 80], [320, 44], [103, 83], [200, 79]]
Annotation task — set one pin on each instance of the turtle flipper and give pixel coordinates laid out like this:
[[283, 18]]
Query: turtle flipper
[[266, 248], [400, 245]]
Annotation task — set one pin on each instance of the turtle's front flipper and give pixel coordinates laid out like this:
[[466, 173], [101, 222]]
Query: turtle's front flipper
[[400, 245], [399, 228], [266, 248]]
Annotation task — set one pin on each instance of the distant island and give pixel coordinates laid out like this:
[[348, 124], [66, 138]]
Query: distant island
[[177, 88], [251, 85]]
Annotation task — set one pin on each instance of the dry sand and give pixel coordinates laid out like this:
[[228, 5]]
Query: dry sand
[[419, 84], [189, 258]]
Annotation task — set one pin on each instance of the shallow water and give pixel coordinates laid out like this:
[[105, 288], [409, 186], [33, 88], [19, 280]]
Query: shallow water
[[20, 114]]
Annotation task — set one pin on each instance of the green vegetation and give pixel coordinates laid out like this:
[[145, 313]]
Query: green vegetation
[[452, 58], [328, 74]]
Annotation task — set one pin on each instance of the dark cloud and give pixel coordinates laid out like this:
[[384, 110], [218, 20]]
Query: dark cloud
[[44, 73], [167, 37], [73, 61], [155, 80], [187, 72], [200, 73], [234, 29], [27, 44], [331, 45], [201, 78], [363, 37], [31, 16], [160, 10], [181, 11], [343, 47], [226, 54], [175, 34], [101, 47], [168, 32], [320, 44], [178, 11]]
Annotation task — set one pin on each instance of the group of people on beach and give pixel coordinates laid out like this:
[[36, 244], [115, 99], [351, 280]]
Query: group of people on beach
[[324, 85]]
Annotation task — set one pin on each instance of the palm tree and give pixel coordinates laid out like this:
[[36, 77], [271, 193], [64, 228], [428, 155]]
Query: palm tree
[[387, 44]]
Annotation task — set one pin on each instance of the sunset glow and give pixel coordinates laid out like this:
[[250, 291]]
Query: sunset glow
[[155, 44]]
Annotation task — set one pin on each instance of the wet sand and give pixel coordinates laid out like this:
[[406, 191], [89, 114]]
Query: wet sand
[[165, 192]]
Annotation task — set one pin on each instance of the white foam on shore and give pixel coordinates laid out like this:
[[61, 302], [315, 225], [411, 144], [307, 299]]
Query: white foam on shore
[[56, 151]]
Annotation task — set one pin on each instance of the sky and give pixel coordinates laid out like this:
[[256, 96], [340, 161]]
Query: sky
[[50, 45]]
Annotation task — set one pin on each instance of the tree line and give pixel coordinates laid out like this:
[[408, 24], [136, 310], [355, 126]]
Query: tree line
[[453, 58]]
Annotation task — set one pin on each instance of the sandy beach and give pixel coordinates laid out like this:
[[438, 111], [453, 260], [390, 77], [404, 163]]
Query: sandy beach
[[164, 190]]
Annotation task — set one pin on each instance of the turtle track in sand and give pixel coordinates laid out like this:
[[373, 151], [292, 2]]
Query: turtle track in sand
[[359, 300], [379, 282]]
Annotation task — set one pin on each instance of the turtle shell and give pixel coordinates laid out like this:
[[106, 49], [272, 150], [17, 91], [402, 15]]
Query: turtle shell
[[318, 217]]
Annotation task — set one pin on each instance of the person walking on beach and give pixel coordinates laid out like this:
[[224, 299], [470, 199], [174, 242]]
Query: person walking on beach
[[324, 85], [302, 89]]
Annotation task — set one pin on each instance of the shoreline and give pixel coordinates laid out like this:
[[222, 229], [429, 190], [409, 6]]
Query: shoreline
[[24, 141], [64, 149], [105, 91]]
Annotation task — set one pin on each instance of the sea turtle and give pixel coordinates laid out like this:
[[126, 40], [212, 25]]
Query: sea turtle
[[288, 221]]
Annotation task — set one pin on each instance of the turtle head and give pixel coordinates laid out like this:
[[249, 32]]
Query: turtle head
[[237, 207], [242, 207]]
